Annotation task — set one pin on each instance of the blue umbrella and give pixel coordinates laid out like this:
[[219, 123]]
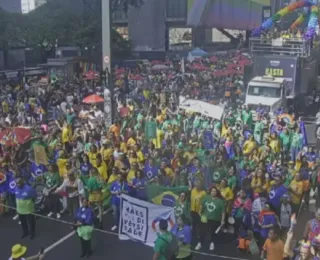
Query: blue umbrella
[[197, 52]]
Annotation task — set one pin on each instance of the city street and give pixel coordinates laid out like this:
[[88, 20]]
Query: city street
[[62, 243]]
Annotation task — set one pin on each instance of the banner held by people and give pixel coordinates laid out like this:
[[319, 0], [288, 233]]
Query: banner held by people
[[139, 220]]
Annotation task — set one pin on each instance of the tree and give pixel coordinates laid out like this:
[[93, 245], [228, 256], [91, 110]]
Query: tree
[[55, 22]]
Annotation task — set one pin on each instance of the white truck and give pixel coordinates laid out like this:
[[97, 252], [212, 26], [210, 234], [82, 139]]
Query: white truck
[[281, 76], [268, 92]]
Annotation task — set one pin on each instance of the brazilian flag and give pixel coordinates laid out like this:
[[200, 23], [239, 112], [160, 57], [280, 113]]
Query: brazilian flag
[[106, 195], [166, 196]]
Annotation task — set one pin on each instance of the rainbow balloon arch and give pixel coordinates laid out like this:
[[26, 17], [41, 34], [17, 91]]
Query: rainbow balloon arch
[[312, 14]]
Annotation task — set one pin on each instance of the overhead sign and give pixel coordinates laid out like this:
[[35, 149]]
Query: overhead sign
[[106, 59]]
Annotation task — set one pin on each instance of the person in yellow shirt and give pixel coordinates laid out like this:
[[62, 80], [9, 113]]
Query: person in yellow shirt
[[63, 164], [115, 129], [167, 169], [274, 143], [93, 154], [5, 106], [132, 156], [66, 137], [131, 141], [106, 152], [249, 146], [190, 155], [102, 168], [196, 197], [132, 172], [123, 145], [139, 153], [226, 193], [296, 191], [114, 175], [259, 182], [119, 163]]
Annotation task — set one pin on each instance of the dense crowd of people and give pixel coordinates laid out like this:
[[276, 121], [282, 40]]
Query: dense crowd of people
[[241, 176]]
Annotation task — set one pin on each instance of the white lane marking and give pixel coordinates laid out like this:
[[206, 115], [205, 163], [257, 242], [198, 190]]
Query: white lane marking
[[60, 241], [116, 234]]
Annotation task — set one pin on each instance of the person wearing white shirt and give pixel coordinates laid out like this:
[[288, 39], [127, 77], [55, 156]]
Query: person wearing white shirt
[[74, 189]]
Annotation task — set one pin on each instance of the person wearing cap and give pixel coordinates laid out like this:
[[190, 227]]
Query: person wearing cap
[[18, 252], [25, 197]]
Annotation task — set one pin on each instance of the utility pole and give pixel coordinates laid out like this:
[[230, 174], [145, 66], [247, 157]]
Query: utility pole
[[107, 62]]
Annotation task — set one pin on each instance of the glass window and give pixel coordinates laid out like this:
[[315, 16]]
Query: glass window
[[272, 92]]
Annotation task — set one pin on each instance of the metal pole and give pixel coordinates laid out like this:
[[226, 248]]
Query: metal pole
[[107, 61]]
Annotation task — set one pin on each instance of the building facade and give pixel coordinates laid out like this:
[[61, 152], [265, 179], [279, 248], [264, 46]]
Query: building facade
[[29, 5]]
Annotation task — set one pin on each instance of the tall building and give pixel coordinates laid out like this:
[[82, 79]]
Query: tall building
[[12, 6], [29, 5]]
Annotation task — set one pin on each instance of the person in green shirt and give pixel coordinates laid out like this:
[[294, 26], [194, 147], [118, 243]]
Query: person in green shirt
[[212, 216], [258, 131], [25, 198], [182, 207], [162, 244], [219, 172], [247, 117], [232, 179], [70, 116], [285, 140], [52, 182]]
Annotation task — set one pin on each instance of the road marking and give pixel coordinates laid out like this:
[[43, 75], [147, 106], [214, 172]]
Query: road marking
[[63, 239], [60, 241]]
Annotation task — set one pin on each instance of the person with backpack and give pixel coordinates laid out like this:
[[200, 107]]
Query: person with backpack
[[166, 246]]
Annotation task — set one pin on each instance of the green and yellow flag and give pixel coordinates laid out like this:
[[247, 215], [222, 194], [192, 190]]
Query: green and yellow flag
[[166, 196]]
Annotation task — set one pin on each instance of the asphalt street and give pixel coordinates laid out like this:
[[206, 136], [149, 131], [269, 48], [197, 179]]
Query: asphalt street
[[61, 243]]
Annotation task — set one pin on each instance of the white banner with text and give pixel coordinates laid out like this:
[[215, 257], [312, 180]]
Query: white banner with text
[[139, 220]]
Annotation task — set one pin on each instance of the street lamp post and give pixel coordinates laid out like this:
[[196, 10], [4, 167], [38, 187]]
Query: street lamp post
[[107, 61]]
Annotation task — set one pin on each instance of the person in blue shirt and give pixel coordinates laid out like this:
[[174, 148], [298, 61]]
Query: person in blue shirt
[[85, 167], [183, 233], [84, 219], [150, 170], [276, 192], [139, 186], [117, 188], [25, 197]]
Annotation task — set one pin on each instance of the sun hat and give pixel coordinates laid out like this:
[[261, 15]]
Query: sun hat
[[18, 251]]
